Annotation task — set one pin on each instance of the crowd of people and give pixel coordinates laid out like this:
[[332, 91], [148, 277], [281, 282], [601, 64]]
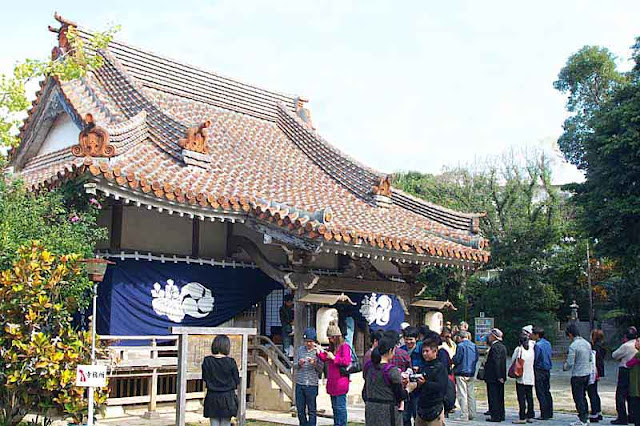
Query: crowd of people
[[421, 377]]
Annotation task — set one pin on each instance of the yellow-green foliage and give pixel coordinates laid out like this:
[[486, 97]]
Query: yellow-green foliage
[[39, 348]]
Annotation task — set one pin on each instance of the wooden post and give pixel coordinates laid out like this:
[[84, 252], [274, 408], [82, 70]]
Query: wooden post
[[181, 386], [243, 382], [299, 316], [153, 386]]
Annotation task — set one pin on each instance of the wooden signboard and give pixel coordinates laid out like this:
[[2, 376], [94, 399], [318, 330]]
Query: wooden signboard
[[194, 344], [199, 346]]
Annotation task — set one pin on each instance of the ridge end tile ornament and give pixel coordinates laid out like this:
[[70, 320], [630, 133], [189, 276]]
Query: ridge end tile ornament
[[196, 138], [64, 45], [382, 192], [302, 112], [93, 141]]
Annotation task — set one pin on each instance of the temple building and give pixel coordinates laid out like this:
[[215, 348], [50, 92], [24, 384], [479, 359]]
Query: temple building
[[220, 197]]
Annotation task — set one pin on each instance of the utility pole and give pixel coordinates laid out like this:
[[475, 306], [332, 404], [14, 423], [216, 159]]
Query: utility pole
[[591, 319]]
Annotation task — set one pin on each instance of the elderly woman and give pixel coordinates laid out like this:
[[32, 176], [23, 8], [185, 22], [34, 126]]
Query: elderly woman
[[338, 355]]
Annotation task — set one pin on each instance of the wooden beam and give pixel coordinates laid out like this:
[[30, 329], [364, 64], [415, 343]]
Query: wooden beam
[[115, 242], [357, 285], [195, 237]]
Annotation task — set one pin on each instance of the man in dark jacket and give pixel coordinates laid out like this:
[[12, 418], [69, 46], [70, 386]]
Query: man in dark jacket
[[286, 320], [495, 374], [432, 386], [465, 361]]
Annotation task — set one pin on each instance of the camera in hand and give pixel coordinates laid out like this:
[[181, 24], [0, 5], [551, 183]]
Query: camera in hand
[[415, 376]]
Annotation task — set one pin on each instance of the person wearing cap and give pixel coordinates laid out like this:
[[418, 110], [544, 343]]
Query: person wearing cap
[[495, 375], [338, 355], [307, 368]]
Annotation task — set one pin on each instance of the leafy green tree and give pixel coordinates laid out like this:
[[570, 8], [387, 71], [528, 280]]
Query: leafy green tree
[[608, 201], [590, 78], [75, 63], [63, 219], [39, 349], [526, 221]]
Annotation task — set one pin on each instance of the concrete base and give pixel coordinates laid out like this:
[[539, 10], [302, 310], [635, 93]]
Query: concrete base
[[151, 415], [114, 411], [267, 396]]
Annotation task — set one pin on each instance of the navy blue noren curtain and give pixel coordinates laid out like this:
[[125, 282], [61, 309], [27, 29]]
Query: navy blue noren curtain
[[146, 298]]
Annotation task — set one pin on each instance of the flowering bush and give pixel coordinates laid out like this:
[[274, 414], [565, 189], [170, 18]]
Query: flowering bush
[[39, 349]]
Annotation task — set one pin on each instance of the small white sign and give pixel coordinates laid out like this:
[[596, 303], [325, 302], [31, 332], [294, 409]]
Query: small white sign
[[91, 376]]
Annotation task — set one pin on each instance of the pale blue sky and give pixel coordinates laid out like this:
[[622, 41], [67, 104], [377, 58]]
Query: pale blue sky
[[399, 85]]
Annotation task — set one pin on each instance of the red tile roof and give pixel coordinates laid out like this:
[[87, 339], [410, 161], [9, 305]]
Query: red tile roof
[[263, 160]]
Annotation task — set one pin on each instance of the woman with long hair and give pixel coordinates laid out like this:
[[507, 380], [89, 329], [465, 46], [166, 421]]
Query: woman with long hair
[[524, 383], [221, 377], [338, 355], [383, 391], [597, 342]]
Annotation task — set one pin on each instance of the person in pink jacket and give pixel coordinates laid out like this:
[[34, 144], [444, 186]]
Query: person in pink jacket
[[338, 355]]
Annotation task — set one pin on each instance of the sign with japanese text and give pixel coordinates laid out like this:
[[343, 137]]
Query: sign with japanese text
[[91, 376], [482, 329]]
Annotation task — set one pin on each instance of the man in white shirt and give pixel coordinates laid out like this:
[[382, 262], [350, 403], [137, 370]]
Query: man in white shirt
[[623, 354]]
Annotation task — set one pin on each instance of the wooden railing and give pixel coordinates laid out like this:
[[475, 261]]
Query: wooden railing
[[266, 355], [145, 372]]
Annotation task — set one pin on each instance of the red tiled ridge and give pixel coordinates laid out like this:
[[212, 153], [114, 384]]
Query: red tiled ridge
[[165, 74], [165, 130], [455, 219], [359, 179], [201, 86], [303, 226]]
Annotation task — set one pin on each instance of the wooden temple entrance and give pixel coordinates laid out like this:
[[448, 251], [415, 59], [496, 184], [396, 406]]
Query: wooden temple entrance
[[216, 192]]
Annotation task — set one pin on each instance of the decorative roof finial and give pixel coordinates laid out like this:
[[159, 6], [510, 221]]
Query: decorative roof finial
[[384, 187], [93, 141], [64, 45], [196, 138], [303, 112]]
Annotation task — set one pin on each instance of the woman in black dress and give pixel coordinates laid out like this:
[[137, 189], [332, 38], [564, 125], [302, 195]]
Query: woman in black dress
[[220, 374]]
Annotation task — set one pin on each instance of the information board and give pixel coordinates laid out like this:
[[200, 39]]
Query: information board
[[194, 344], [482, 329], [199, 346]]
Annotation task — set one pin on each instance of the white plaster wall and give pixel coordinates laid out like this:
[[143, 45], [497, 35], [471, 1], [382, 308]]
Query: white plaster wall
[[63, 133], [147, 230]]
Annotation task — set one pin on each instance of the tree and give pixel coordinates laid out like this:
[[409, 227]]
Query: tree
[[39, 349], [526, 221], [608, 202], [590, 78], [63, 219], [69, 65]]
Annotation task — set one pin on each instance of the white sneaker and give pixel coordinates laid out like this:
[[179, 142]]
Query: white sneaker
[[579, 423]]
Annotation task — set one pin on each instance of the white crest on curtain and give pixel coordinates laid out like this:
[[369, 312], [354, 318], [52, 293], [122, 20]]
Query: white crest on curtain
[[192, 299], [376, 309]]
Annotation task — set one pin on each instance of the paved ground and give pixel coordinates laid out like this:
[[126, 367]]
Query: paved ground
[[563, 405]]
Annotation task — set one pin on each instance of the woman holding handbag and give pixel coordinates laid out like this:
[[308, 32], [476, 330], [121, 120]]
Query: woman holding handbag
[[522, 370]]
